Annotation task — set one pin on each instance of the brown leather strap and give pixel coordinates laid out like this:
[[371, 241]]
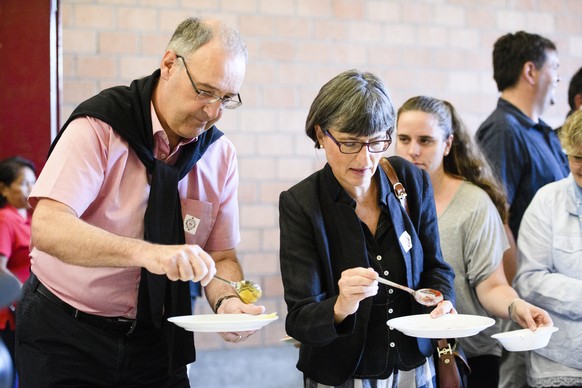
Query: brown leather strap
[[448, 371], [399, 189]]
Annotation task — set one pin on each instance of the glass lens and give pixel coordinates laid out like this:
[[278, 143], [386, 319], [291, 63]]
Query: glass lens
[[207, 98], [350, 147], [379, 146], [230, 103]]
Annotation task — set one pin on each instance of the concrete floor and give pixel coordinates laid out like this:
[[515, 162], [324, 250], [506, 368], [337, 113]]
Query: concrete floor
[[272, 367]]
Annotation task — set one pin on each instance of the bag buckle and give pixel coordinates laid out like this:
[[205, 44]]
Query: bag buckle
[[444, 351], [399, 191], [400, 194]]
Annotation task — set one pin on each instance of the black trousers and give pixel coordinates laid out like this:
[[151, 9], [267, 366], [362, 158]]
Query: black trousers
[[484, 371], [54, 349]]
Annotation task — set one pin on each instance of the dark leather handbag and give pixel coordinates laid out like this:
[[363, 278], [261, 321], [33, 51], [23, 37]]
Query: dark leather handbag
[[450, 363]]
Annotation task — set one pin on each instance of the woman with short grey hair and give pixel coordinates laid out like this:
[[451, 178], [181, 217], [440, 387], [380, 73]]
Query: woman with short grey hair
[[342, 229]]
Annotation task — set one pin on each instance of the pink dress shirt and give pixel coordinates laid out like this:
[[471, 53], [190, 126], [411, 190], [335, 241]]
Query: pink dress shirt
[[93, 171]]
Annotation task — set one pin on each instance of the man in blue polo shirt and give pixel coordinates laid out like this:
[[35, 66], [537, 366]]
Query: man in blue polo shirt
[[524, 151]]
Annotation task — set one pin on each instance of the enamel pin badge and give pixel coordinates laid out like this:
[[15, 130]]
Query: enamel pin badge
[[191, 224]]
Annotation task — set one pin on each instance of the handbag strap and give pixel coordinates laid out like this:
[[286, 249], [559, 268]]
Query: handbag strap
[[399, 189], [448, 368], [448, 371]]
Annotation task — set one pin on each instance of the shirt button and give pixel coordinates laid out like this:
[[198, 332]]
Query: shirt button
[[391, 291], [386, 273], [163, 156], [378, 257], [392, 344], [390, 311]]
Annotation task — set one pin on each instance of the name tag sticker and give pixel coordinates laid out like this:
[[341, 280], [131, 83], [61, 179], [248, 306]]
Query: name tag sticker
[[405, 241], [191, 224]]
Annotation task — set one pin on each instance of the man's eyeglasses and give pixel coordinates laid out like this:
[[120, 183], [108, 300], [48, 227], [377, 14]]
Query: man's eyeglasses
[[575, 159], [353, 147], [209, 98]]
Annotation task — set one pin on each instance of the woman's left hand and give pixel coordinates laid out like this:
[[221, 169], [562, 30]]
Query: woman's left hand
[[529, 316], [444, 307]]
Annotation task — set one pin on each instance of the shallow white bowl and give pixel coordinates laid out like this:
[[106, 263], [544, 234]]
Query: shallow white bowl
[[525, 339]]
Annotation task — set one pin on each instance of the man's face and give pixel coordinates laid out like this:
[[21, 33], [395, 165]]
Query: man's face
[[213, 71], [547, 79]]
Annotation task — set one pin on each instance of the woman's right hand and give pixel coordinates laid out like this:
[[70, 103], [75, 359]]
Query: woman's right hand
[[444, 307], [355, 285]]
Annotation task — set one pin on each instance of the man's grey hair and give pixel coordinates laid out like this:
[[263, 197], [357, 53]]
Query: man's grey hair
[[194, 33]]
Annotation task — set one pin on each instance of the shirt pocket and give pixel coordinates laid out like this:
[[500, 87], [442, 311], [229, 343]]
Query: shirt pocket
[[198, 220], [567, 254]]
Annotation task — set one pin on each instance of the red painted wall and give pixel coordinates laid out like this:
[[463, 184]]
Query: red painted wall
[[25, 78]]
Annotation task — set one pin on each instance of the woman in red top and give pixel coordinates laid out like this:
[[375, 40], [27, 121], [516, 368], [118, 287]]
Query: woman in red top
[[17, 176]]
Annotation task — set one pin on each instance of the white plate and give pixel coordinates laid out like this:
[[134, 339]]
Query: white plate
[[214, 323], [446, 326]]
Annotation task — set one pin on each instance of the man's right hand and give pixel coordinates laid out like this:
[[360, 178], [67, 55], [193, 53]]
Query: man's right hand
[[181, 262]]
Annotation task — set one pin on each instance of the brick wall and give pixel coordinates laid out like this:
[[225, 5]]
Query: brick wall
[[434, 47]]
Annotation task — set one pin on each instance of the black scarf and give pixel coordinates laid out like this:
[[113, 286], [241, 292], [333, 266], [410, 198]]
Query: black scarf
[[127, 111]]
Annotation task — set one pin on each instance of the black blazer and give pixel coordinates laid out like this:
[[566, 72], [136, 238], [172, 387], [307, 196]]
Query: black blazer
[[320, 238]]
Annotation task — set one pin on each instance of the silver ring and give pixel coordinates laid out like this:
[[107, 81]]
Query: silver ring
[[238, 339]]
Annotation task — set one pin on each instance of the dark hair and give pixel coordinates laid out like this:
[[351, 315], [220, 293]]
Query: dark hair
[[512, 51], [465, 160], [10, 170], [574, 89], [352, 102]]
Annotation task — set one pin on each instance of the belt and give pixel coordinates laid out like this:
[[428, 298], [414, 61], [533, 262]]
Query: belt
[[113, 325]]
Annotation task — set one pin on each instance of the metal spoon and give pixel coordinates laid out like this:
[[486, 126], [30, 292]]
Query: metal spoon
[[424, 296], [248, 292]]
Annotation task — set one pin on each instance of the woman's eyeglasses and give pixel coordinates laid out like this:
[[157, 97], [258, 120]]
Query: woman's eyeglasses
[[353, 147]]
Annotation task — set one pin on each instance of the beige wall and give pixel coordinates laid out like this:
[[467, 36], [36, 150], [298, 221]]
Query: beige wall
[[435, 47]]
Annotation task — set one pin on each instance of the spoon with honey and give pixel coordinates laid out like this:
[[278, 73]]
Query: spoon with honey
[[248, 291]]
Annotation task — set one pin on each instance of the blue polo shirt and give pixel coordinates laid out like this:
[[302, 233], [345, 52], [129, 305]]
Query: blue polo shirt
[[524, 155]]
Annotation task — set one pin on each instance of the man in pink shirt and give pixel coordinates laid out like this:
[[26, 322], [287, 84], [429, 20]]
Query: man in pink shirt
[[138, 197]]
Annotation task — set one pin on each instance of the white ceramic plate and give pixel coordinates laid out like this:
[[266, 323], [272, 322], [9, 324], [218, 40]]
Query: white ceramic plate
[[214, 323], [446, 326]]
